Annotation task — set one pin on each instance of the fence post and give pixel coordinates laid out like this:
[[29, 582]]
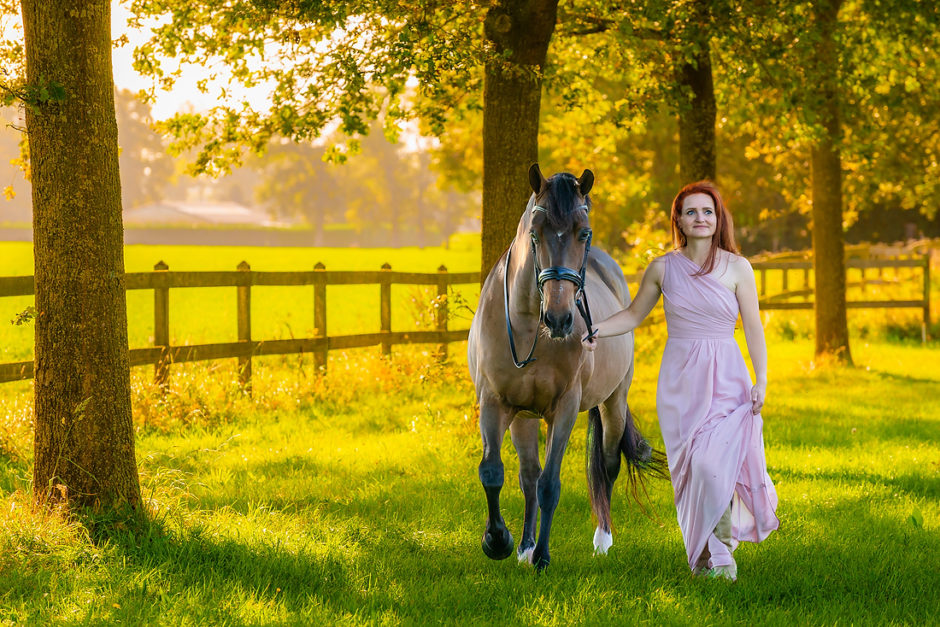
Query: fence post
[[385, 307], [926, 324], [319, 314], [440, 313], [786, 275], [161, 325], [244, 324], [763, 281]]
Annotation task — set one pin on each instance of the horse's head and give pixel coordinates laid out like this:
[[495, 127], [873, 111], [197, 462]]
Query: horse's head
[[560, 231]]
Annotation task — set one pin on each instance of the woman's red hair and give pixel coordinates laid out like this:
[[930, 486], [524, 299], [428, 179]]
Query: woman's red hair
[[724, 228]]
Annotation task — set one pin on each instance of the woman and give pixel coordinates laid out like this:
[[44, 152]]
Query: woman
[[709, 411]]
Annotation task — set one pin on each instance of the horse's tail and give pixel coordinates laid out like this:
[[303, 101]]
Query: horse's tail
[[642, 461]]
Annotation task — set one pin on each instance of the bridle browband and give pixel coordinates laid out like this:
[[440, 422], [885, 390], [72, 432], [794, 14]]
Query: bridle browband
[[554, 273]]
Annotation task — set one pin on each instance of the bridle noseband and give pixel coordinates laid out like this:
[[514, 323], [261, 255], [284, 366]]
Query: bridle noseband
[[554, 273]]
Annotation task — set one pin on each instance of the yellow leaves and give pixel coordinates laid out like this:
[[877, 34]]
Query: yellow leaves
[[9, 193], [911, 85]]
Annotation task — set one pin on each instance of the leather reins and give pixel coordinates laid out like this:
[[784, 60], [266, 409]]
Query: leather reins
[[554, 273]]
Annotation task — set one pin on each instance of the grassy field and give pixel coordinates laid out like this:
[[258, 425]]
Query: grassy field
[[200, 316], [353, 499]]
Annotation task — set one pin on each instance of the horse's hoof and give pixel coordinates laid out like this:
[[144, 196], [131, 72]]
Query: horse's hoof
[[602, 541], [540, 561], [497, 549]]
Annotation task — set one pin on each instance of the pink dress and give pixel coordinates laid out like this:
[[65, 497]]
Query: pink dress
[[714, 443]]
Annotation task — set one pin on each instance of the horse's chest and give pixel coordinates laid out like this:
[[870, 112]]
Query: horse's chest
[[537, 391]]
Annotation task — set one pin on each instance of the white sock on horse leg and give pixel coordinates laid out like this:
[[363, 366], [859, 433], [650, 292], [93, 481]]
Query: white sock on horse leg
[[525, 557], [602, 541]]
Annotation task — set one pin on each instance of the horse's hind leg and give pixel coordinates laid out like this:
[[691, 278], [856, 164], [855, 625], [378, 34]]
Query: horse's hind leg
[[494, 420], [607, 428], [525, 437]]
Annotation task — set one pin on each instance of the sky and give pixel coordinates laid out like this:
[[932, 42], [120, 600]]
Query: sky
[[185, 95]]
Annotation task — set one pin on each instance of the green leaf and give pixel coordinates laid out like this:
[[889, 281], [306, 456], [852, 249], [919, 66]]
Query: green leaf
[[916, 518]]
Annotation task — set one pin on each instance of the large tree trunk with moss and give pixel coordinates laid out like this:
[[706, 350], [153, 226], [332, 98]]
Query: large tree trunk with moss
[[84, 442], [832, 335], [512, 94], [697, 109]]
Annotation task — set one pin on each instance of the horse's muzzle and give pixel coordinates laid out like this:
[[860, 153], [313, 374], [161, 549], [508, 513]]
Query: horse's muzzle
[[560, 325]]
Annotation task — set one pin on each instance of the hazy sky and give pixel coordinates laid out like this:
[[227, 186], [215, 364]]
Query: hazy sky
[[184, 95]]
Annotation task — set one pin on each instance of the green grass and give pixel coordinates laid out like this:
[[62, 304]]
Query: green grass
[[200, 316], [355, 500]]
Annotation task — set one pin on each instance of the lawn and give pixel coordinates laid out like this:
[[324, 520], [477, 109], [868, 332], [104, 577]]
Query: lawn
[[353, 499], [201, 316]]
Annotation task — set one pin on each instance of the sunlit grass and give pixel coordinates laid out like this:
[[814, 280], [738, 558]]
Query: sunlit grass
[[207, 315], [354, 499]]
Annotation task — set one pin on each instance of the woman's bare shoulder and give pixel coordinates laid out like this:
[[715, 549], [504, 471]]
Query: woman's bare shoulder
[[658, 264], [739, 265]]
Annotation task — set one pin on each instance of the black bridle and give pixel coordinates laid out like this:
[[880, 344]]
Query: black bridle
[[554, 273]]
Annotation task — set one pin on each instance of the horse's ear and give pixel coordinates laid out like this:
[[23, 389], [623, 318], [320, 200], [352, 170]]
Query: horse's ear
[[536, 180], [586, 182]]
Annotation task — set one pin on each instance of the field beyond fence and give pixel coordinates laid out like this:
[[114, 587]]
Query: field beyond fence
[[782, 285]]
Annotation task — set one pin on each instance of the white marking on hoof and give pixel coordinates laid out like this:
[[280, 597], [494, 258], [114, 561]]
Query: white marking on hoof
[[525, 557], [602, 541]]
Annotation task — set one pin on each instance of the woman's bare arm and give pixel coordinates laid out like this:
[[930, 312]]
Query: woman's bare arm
[[628, 319], [746, 292]]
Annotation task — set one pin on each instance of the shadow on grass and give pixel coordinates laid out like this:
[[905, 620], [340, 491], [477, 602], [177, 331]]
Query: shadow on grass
[[906, 379], [913, 485]]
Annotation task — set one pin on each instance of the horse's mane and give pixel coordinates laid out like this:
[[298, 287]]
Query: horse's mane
[[559, 201]]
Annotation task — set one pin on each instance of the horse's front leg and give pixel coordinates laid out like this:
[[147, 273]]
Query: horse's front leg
[[494, 420], [525, 437], [549, 485]]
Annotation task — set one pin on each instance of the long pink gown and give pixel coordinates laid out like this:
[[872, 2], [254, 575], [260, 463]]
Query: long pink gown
[[714, 442]]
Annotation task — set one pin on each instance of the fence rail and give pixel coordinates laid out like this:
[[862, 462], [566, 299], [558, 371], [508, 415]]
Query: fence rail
[[162, 354]]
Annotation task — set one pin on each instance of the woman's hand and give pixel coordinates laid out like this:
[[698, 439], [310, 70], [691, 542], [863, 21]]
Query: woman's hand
[[758, 393], [589, 341]]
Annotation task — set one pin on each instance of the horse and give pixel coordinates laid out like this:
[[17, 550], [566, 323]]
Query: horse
[[521, 302]]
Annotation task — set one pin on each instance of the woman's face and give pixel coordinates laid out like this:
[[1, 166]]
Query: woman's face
[[697, 220]]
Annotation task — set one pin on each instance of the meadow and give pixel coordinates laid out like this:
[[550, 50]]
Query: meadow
[[207, 315], [353, 498]]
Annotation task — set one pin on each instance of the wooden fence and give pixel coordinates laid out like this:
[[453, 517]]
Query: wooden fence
[[871, 272], [162, 354]]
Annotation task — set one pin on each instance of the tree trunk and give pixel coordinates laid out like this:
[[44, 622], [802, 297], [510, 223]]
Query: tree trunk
[[697, 119], [512, 94], [832, 335], [697, 114], [84, 438]]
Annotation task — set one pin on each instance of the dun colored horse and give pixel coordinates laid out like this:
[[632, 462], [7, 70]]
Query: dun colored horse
[[522, 304]]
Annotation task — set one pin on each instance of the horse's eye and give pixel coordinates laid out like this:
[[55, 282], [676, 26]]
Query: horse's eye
[[534, 236], [584, 235]]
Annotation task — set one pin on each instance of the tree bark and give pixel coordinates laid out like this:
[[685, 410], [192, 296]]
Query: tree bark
[[832, 335], [697, 109], [519, 32], [697, 118], [84, 438]]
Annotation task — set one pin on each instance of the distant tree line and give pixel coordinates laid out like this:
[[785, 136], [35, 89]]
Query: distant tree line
[[387, 188]]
